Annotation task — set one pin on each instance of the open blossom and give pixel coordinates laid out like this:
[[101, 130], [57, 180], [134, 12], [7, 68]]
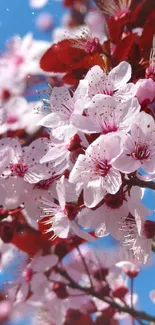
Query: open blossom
[[25, 161], [114, 84], [61, 217], [105, 114], [33, 278], [113, 213], [95, 170], [23, 56], [63, 106], [139, 146], [17, 113]]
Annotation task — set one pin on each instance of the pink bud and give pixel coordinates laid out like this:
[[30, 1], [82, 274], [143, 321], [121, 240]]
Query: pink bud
[[44, 22], [145, 91]]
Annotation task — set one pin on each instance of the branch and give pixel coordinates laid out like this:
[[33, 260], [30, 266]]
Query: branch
[[89, 291], [138, 182]]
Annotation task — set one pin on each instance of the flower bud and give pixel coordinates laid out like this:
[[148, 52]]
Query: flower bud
[[145, 91], [120, 292], [60, 290], [150, 72]]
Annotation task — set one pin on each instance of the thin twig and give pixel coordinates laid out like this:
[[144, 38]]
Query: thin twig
[[139, 182], [86, 267], [89, 291]]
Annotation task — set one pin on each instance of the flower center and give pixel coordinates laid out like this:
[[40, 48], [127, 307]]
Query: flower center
[[141, 152], [91, 45], [27, 274], [18, 60], [71, 211], [107, 128], [12, 119], [18, 169], [102, 168], [114, 201]]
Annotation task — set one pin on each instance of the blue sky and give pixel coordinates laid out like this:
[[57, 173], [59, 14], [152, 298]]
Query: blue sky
[[16, 17]]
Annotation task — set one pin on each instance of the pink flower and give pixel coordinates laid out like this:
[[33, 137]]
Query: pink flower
[[145, 91], [139, 146], [22, 58], [95, 170], [105, 115], [63, 106], [62, 216], [114, 84], [33, 278], [25, 161], [17, 113]]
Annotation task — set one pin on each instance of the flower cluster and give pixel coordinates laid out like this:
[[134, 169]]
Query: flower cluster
[[74, 165]]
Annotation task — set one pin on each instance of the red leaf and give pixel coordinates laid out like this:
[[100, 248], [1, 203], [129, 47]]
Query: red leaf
[[30, 242], [136, 11], [145, 42], [50, 60], [142, 11], [123, 48], [115, 29]]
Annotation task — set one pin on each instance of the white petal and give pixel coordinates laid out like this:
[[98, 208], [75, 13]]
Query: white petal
[[81, 233], [38, 283], [44, 263], [52, 120], [22, 293], [60, 187], [121, 74], [93, 193]]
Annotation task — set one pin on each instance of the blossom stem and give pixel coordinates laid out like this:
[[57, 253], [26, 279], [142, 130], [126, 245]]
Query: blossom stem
[[86, 267], [139, 315], [132, 291], [138, 182]]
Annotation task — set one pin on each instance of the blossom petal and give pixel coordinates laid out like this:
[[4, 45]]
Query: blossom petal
[[44, 263], [121, 74]]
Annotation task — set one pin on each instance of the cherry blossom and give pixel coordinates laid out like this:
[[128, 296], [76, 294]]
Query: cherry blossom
[[77, 162], [105, 115], [138, 147], [114, 84], [33, 278], [25, 161], [17, 113], [62, 216], [23, 56], [95, 170], [63, 106]]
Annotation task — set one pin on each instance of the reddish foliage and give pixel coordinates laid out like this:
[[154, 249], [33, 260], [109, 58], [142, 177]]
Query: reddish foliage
[[66, 57], [123, 48], [145, 42]]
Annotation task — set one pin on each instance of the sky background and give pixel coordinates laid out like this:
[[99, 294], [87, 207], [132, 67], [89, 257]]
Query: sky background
[[16, 17]]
